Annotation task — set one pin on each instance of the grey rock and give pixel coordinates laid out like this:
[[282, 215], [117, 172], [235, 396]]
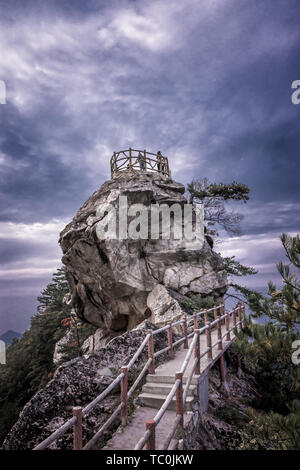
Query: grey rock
[[164, 308], [110, 280], [57, 355]]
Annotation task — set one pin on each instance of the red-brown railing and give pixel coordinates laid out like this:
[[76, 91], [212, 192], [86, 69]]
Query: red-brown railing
[[148, 439], [80, 413]]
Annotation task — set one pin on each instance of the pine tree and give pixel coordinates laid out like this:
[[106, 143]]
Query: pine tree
[[213, 196], [29, 360], [233, 269], [267, 348]]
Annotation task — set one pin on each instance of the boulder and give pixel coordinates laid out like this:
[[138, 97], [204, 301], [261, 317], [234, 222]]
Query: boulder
[[111, 279]]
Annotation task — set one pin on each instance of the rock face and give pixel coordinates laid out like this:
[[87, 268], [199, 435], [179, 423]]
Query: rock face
[[77, 383], [57, 355], [111, 280], [163, 307]]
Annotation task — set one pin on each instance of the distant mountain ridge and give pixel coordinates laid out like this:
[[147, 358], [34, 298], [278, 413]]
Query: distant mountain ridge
[[9, 335]]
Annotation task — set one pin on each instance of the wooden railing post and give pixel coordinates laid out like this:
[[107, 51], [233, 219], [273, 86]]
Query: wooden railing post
[[179, 397], [223, 374], [240, 316], [234, 317], [170, 341], [227, 327], [124, 396], [195, 321], [77, 428], [243, 314], [222, 313], [208, 340], [205, 316], [215, 313], [184, 327], [197, 352], [151, 352], [220, 345], [151, 425], [130, 158]]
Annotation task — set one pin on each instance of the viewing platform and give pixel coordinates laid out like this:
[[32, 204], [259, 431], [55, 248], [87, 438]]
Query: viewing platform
[[139, 161]]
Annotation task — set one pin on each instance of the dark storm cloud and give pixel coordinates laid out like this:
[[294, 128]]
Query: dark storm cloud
[[19, 250], [208, 83]]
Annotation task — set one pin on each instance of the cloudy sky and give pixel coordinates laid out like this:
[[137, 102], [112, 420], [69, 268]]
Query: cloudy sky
[[208, 82]]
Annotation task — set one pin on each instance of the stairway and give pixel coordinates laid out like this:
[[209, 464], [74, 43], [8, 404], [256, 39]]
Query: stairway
[[157, 387]]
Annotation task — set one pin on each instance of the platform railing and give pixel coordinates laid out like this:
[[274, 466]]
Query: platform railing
[[79, 413], [139, 160]]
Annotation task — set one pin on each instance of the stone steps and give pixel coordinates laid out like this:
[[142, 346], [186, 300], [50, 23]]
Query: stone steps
[[157, 388], [156, 401], [168, 379], [159, 385]]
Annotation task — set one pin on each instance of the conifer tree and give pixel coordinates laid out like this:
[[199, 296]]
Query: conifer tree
[[29, 360], [213, 196], [267, 348]]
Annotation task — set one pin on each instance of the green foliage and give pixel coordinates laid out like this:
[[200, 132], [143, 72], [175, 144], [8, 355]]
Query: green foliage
[[29, 363], [283, 305], [77, 332], [213, 196], [195, 302], [231, 415], [273, 431], [234, 268], [234, 191], [51, 298], [267, 351]]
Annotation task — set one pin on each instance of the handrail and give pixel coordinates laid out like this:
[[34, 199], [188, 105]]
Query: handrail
[[46, 442], [157, 418], [196, 364], [104, 394], [172, 432], [188, 356], [138, 352], [141, 443], [166, 349], [167, 402], [139, 160], [96, 436], [139, 378], [189, 380], [122, 378]]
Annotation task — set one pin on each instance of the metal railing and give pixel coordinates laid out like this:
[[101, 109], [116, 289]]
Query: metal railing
[[139, 160], [148, 438]]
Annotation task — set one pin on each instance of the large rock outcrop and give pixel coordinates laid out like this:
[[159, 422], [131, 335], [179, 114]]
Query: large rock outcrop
[[111, 280]]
